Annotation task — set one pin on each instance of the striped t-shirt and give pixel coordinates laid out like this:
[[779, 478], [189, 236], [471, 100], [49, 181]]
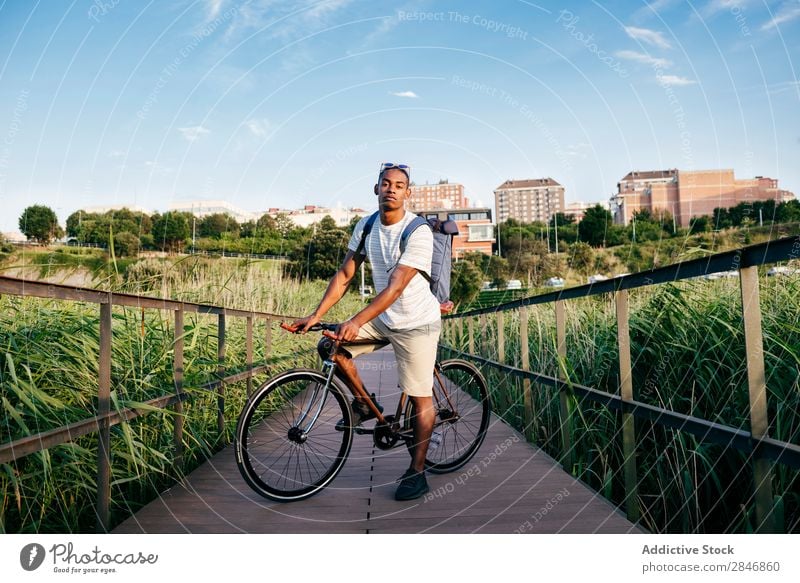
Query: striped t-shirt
[[416, 306]]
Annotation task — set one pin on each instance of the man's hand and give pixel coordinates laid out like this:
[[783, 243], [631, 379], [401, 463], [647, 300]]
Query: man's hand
[[303, 324], [347, 331]]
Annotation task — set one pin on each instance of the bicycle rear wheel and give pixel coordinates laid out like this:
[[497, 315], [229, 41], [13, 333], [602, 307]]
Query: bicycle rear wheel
[[463, 409], [275, 454]]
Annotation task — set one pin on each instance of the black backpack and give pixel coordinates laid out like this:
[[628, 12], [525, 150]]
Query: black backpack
[[441, 260]]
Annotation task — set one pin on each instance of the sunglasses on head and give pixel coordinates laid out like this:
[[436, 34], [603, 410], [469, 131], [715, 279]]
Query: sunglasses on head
[[390, 165]]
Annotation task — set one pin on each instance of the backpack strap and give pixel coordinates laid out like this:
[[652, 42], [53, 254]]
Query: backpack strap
[[365, 233], [410, 228]]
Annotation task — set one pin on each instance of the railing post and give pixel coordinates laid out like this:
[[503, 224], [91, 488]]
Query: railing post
[[103, 408], [527, 396], [626, 392], [471, 333], [177, 375], [221, 375], [249, 354], [563, 394], [757, 385], [268, 340], [501, 339], [482, 334]]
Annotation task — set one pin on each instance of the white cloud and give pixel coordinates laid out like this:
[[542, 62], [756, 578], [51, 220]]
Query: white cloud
[[674, 80], [651, 37], [716, 6], [786, 13], [643, 58], [260, 128], [212, 8], [193, 133], [409, 94]]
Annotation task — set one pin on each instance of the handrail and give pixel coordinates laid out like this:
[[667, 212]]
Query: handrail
[[105, 416], [760, 254], [762, 450], [57, 291]]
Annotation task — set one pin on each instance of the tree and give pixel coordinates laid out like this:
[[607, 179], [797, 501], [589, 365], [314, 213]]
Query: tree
[[699, 224], [561, 219], [465, 281], [595, 225], [214, 225], [322, 254], [40, 223], [126, 244], [170, 230], [581, 257]]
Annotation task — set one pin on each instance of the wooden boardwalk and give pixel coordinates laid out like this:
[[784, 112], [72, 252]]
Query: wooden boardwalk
[[509, 486]]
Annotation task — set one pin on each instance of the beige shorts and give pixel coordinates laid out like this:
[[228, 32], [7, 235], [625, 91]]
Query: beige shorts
[[415, 351]]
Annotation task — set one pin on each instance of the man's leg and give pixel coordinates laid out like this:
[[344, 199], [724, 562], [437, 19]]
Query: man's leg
[[423, 420]]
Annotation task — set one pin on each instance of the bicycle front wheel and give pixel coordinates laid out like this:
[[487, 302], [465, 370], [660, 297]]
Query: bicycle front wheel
[[287, 444], [463, 409]]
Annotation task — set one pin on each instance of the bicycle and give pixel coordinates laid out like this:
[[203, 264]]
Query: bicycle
[[289, 444]]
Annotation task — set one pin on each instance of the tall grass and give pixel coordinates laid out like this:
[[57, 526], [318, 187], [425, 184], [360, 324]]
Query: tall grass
[[687, 347], [49, 375]]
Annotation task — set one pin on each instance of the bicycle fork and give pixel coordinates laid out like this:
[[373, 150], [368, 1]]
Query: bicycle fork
[[298, 433]]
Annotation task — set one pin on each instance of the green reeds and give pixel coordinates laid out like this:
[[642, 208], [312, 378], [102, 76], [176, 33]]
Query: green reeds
[[687, 350], [49, 353]]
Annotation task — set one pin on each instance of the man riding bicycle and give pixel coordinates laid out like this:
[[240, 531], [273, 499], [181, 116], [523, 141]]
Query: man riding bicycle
[[405, 312]]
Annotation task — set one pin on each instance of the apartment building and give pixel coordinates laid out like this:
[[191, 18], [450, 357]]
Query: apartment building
[[528, 200], [475, 228], [689, 193], [443, 195]]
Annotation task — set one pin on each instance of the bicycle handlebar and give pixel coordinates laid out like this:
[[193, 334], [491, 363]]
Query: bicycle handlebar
[[314, 328]]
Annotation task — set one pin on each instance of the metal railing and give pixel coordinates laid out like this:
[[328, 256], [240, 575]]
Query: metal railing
[[761, 449], [105, 418]]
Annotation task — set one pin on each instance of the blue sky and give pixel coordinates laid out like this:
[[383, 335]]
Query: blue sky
[[269, 103]]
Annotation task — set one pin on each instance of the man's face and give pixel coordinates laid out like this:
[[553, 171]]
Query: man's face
[[392, 190]]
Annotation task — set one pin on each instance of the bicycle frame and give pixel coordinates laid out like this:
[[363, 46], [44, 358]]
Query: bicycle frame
[[329, 370]]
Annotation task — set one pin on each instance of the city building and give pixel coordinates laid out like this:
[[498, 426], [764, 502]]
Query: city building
[[102, 209], [475, 228], [203, 208], [577, 209], [686, 194], [528, 200], [444, 195], [311, 214]]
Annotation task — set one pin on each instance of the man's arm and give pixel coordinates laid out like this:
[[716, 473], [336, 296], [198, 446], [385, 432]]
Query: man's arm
[[400, 278], [336, 289]]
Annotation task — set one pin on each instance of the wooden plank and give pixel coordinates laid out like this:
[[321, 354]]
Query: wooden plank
[[507, 484]]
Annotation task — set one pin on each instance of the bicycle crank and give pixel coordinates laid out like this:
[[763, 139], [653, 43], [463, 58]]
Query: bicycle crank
[[385, 436]]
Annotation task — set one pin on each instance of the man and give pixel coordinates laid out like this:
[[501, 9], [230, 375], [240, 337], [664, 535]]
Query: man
[[405, 312]]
